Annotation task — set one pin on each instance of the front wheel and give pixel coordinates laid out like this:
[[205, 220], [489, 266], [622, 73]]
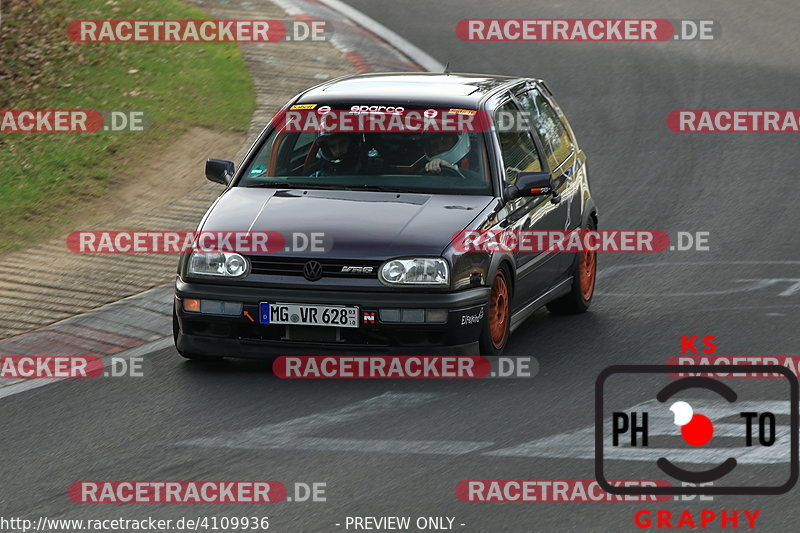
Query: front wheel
[[496, 327], [584, 274]]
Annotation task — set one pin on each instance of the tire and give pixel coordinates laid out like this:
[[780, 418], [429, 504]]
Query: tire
[[496, 327], [584, 276], [193, 357]]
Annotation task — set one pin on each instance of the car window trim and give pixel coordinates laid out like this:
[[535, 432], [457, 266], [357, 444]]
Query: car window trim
[[509, 97], [572, 148]]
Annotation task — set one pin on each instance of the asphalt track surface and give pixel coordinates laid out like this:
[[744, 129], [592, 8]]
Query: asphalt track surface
[[399, 448]]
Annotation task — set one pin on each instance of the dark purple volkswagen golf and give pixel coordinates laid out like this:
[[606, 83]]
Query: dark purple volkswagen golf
[[388, 204]]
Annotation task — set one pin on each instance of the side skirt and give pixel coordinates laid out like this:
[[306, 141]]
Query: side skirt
[[559, 290]]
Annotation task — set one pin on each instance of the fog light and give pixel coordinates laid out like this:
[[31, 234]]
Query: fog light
[[232, 308], [217, 307], [191, 305], [438, 316], [412, 315], [390, 315], [211, 307]]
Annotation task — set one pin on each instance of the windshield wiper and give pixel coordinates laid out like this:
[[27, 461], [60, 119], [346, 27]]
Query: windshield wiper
[[282, 185], [378, 188], [326, 186]]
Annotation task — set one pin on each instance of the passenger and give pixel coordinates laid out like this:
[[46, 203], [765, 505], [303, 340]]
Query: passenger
[[339, 153]]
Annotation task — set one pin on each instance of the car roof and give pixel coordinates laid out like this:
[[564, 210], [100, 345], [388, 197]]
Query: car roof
[[408, 89]]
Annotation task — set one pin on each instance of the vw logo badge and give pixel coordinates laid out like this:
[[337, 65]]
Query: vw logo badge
[[312, 270]]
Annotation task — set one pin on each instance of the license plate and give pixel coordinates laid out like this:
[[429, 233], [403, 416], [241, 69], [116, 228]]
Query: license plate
[[308, 315]]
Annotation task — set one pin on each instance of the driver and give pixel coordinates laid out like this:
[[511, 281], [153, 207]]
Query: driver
[[445, 149], [339, 153]]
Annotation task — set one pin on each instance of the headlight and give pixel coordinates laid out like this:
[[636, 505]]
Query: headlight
[[430, 271], [221, 264]]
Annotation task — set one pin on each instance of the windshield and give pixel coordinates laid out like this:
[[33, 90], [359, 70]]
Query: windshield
[[434, 162]]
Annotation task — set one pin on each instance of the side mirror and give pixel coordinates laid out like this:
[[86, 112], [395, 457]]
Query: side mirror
[[220, 170], [531, 184]]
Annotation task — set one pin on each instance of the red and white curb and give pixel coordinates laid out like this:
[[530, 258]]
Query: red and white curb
[[371, 46]]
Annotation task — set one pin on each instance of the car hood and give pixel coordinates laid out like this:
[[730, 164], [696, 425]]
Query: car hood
[[358, 224]]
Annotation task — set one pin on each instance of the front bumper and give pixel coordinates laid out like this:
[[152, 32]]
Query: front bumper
[[243, 336]]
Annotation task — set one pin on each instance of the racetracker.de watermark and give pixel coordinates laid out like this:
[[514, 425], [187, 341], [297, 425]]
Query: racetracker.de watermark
[[196, 31], [404, 367], [734, 120], [384, 119], [551, 490], [179, 242], [72, 121], [68, 367], [586, 30], [570, 241], [50, 367], [790, 362], [150, 492]]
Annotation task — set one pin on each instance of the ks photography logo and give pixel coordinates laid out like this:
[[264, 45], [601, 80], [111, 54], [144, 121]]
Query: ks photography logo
[[697, 430]]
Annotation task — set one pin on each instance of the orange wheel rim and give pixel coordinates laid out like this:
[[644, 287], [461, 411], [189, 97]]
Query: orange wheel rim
[[498, 310], [588, 270]]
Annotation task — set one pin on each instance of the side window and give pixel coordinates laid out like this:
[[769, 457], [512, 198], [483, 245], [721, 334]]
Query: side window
[[293, 156], [517, 148], [289, 155], [551, 130]]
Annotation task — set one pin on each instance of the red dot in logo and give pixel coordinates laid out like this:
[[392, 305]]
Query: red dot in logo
[[698, 431]]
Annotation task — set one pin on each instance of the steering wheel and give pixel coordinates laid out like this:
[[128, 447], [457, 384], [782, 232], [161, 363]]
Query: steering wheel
[[454, 171]]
